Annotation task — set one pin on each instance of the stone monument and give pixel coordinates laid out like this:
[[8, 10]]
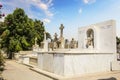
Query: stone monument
[[61, 30], [96, 52], [61, 38], [100, 37], [56, 45], [45, 42], [90, 39], [35, 46], [66, 43]]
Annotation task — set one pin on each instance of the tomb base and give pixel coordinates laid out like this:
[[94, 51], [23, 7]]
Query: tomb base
[[67, 63]]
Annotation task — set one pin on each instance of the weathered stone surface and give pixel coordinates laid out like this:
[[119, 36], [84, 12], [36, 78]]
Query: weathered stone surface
[[95, 53], [104, 37]]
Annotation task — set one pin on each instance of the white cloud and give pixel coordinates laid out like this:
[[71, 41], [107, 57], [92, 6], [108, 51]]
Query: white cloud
[[46, 20], [44, 6], [85, 1], [89, 1], [9, 6], [80, 10]]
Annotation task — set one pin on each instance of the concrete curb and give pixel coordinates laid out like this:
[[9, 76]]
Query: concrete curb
[[48, 74], [31, 66]]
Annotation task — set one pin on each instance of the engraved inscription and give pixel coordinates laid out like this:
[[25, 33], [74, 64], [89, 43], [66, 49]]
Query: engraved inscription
[[106, 27]]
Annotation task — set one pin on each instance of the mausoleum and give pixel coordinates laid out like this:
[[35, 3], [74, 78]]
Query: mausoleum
[[96, 52]]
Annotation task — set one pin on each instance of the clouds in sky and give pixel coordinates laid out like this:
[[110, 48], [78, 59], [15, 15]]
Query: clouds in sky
[[10, 5], [86, 2], [44, 6], [89, 1], [46, 20]]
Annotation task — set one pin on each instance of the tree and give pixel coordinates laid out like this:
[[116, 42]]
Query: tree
[[39, 29], [2, 60], [118, 40], [19, 32], [48, 36]]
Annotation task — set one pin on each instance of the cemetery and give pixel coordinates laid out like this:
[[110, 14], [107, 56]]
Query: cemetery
[[95, 51], [59, 40]]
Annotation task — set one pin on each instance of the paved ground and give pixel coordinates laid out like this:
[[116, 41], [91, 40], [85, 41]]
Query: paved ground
[[15, 71], [99, 76]]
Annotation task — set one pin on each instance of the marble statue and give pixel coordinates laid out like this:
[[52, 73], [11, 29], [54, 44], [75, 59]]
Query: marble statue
[[61, 30], [55, 41], [90, 39]]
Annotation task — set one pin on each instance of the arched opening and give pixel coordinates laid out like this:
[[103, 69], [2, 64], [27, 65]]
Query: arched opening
[[90, 38]]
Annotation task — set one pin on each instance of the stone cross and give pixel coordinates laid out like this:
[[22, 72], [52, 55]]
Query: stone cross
[[61, 30]]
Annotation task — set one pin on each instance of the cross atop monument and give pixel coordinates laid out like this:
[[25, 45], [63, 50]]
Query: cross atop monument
[[61, 30]]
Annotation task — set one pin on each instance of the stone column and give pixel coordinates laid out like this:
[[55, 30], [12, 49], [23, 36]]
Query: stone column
[[44, 36], [45, 42], [61, 36]]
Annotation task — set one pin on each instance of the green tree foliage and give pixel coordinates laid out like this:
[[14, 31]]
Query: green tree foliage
[[48, 36], [18, 32], [39, 30], [2, 62], [118, 40]]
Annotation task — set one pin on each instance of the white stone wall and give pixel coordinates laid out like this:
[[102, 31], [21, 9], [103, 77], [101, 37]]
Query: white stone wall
[[26, 60], [76, 64], [59, 64], [104, 36], [71, 64], [48, 62], [23, 59], [51, 62], [40, 60]]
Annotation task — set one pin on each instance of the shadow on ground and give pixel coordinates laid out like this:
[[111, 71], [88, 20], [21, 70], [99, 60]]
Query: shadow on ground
[[111, 78]]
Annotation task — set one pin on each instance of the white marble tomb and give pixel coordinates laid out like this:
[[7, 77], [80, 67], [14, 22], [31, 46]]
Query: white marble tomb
[[96, 52], [104, 36]]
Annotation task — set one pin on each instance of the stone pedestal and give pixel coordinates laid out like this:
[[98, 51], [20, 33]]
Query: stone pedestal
[[90, 47], [71, 63], [62, 43], [45, 45]]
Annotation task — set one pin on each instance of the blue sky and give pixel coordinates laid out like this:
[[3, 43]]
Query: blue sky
[[71, 13]]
